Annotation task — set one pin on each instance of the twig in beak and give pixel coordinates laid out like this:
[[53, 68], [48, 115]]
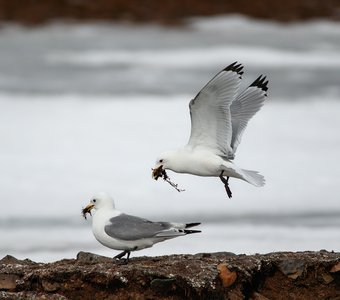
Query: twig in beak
[[167, 179]]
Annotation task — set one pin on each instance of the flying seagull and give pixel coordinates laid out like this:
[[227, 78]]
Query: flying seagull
[[219, 116], [120, 231]]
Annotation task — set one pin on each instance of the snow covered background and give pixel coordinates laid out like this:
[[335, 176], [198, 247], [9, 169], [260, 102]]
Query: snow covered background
[[87, 108]]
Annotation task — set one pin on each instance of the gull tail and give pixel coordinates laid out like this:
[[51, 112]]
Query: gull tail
[[189, 225], [186, 231], [253, 177]]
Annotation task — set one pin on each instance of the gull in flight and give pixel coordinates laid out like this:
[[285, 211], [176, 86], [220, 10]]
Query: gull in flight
[[219, 116], [120, 231]]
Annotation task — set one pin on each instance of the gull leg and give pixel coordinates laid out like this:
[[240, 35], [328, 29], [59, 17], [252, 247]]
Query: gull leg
[[122, 254], [226, 184]]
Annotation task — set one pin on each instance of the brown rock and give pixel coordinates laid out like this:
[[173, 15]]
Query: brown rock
[[163, 285], [292, 268], [30, 296], [335, 268], [49, 286], [86, 257], [258, 296], [176, 277], [9, 259], [327, 278], [228, 277], [235, 295], [8, 281], [165, 11]]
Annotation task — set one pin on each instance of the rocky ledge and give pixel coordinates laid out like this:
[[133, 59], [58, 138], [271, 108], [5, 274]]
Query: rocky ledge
[[166, 11], [282, 275]]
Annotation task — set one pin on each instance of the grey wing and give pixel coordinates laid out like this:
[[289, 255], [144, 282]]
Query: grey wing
[[127, 227], [210, 111], [245, 106]]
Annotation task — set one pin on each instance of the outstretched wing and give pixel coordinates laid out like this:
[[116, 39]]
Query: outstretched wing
[[245, 106], [210, 111], [127, 227]]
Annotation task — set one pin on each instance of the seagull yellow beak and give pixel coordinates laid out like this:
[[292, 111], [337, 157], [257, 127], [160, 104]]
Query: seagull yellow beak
[[87, 210], [157, 172]]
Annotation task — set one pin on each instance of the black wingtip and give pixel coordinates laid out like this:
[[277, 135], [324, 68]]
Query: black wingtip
[[261, 83], [191, 225], [235, 67]]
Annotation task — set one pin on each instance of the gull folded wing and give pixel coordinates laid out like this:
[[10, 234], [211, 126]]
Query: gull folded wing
[[127, 227]]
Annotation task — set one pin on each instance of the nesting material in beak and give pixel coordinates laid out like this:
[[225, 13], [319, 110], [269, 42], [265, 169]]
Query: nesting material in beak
[[158, 172], [87, 210]]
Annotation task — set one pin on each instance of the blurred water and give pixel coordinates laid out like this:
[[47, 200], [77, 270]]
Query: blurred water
[[106, 59], [86, 108]]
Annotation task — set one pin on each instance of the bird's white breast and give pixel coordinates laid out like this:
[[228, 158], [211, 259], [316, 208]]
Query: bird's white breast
[[199, 162], [100, 219]]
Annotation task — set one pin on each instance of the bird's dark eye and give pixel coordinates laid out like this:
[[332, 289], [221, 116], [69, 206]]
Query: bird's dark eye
[[161, 160], [94, 200]]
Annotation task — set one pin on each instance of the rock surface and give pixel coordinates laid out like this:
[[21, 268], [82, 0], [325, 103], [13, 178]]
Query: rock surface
[[165, 11], [283, 275]]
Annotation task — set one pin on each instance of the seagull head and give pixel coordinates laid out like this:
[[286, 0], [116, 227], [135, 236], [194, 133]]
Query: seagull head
[[99, 200], [163, 162]]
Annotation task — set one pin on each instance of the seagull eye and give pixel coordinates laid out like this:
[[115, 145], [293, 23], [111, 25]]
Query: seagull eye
[[94, 200], [161, 160]]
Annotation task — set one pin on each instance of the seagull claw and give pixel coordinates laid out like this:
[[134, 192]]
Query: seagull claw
[[119, 258]]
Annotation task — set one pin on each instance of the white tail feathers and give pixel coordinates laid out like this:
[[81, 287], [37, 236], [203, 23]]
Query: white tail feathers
[[253, 177]]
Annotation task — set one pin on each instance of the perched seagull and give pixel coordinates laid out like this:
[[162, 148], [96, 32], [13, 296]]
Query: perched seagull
[[120, 231], [219, 116]]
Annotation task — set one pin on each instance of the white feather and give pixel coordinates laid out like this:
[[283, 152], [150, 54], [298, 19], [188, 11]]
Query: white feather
[[210, 113]]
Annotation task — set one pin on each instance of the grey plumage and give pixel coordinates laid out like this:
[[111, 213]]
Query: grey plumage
[[129, 228]]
